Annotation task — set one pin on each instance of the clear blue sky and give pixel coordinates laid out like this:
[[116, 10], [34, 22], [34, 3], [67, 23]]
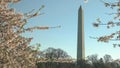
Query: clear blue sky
[[65, 13]]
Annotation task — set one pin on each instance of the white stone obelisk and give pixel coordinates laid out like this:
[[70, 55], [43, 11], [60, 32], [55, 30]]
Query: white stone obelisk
[[80, 39]]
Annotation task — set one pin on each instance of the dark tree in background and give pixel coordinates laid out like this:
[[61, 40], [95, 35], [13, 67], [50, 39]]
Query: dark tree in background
[[52, 54], [105, 62], [115, 36], [107, 58], [93, 58]]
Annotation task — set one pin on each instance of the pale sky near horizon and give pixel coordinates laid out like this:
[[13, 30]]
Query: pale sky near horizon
[[65, 13]]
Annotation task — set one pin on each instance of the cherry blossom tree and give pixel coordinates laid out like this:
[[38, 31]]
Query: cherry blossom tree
[[15, 51]]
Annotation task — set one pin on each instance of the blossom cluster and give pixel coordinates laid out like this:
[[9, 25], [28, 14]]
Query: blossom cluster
[[115, 23]]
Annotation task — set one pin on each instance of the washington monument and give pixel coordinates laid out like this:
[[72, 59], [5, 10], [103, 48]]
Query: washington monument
[[80, 37]]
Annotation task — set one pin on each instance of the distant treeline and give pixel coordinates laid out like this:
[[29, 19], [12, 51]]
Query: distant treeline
[[91, 62], [55, 65], [81, 64]]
